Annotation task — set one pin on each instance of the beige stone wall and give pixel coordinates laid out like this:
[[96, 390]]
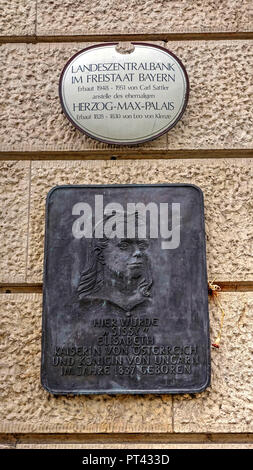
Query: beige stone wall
[[76, 17], [26, 407], [110, 17], [211, 147], [218, 114]]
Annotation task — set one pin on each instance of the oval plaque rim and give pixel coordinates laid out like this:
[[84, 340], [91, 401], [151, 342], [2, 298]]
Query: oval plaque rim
[[112, 142]]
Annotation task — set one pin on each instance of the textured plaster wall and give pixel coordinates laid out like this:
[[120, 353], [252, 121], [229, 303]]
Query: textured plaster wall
[[226, 184], [14, 203], [17, 17], [217, 122], [26, 407], [110, 17], [227, 193], [66, 17]]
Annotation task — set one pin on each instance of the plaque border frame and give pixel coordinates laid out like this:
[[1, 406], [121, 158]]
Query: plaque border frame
[[141, 141], [79, 392]]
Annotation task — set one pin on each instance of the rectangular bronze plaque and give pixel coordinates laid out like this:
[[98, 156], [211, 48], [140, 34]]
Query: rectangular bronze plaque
[[125, 304]]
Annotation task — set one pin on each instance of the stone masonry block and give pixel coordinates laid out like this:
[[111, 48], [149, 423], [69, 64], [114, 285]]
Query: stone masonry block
[[226, 406], [227, 194], [17, 18], [14, 203], [218, 115], [142, 17]]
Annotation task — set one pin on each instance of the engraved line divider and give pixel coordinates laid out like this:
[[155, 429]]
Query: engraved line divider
[[163, 36], [134, 153], [126, 438]]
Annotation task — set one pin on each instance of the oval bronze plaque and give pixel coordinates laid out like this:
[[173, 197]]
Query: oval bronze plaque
[[124, 98]]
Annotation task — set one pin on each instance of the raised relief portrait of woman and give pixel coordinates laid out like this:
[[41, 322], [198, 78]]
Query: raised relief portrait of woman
[[117, 269]]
